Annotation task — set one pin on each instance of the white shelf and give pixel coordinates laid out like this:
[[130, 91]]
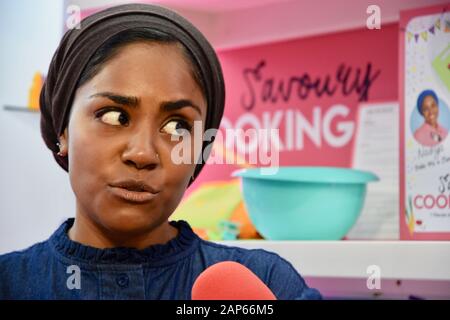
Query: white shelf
[[21, 109], [398, 260]]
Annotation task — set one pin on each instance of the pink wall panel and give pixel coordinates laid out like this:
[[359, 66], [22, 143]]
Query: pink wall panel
[[359, 65]]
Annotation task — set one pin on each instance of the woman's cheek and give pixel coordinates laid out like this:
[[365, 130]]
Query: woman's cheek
[[175, 186], [82, 164], [85, 152]]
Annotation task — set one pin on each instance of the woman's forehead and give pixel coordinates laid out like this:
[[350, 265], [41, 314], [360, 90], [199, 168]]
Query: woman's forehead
[[148, 63], [429, 99]]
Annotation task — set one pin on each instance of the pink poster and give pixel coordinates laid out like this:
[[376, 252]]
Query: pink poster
[[425, 123], [309, 89]]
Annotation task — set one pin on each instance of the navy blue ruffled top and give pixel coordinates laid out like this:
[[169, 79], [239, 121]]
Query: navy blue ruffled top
[[60, 268]]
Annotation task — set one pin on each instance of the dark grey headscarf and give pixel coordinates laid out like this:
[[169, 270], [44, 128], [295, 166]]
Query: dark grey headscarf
[[78, 45]]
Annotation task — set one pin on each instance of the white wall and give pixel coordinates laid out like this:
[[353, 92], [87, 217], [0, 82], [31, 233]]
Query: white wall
[[302, 18], [237, 23], [35, 193]]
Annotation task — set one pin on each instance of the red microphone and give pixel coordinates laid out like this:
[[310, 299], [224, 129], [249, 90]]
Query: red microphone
[[229, 280]]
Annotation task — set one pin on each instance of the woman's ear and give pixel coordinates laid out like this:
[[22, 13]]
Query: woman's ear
[[63, 144]]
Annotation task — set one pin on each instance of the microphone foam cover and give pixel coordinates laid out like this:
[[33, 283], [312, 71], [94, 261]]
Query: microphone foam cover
[[229, 280]]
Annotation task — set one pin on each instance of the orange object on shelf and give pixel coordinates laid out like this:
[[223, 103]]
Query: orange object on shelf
[[35, 91], [201, 232], [246, 228]]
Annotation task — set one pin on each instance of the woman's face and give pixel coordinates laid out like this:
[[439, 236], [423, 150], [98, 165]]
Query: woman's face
[[430, 110], [120, 130]]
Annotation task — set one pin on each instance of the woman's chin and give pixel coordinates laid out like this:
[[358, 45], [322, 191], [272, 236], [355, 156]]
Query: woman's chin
[[128, 223]]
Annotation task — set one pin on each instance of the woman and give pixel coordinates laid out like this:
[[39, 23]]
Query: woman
[[430, 133], [118, 91]]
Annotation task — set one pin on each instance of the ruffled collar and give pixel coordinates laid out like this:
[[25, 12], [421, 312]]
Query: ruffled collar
[[182, 245]]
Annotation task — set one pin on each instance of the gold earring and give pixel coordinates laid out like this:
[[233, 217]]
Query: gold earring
[[59, 153]]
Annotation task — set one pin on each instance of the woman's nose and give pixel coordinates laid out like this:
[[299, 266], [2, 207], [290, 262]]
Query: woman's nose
[[141, 152]]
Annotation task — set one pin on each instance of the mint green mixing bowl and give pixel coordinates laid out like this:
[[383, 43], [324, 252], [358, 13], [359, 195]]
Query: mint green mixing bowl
[[304, 203]]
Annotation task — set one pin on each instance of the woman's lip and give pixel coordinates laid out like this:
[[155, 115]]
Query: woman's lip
[[132, 196]]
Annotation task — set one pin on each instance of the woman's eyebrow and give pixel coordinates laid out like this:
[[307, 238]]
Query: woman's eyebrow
[[178, 104], [133, 102], [129, 101]]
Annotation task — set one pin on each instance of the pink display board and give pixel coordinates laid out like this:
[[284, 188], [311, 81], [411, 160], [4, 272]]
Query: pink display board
[[424, 144], [310, 90]]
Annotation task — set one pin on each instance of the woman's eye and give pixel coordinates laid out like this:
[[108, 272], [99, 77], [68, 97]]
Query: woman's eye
[[113, 117], [177, 127]]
